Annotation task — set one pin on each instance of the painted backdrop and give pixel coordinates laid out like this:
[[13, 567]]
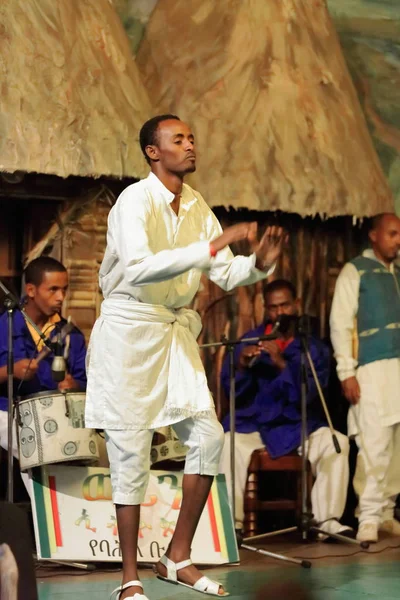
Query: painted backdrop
[[369, 32]]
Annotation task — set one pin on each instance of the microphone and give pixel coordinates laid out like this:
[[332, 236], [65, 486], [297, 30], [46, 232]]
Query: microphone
[[281, 324], [65, 330], [285, 322], [58, 366]]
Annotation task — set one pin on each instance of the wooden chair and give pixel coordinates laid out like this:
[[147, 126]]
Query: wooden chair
[[262, 462]]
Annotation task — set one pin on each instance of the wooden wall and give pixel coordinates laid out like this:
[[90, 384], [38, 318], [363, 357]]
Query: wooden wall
[[80, 246], [22, 223], [315, 253]]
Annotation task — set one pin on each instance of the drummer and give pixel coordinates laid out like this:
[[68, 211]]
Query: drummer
[[46, 284]]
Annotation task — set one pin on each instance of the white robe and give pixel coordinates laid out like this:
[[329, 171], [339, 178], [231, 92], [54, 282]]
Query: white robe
[[375, 420], [144, 368]]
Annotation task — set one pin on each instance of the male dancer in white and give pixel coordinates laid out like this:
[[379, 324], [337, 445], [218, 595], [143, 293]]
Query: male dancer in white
[[144, 368]]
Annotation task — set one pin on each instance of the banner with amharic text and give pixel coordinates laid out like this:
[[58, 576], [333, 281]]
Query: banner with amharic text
[[75, 518]]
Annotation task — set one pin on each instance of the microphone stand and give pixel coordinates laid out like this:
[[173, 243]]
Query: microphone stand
[[230, 346], [307, 523], [11, 304]]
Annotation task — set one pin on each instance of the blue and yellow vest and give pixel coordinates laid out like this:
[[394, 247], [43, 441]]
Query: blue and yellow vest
[[378, 318]]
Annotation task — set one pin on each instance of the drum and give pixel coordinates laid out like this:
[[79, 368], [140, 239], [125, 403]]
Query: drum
[[166, 446], [51, 428]]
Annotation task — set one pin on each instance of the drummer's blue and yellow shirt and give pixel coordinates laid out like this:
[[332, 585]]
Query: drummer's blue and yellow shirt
[[24, 346]]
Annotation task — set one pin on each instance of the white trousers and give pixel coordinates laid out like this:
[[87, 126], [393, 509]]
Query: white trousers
[[4, 445], [377, 477], [129, 455], [331, 472]]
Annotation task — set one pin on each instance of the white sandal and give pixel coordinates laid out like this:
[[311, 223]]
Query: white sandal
[[135, 596], [204, 585]]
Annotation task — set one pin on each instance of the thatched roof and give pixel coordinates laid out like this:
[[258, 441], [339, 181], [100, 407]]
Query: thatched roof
[[268, 93], [71, 98]]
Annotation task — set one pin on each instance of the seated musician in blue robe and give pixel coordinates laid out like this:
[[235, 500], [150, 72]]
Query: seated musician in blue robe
[[46, 284], [268, 409]]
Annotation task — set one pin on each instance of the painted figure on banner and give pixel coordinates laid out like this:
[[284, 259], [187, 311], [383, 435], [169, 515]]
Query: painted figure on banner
[[142, 526], [168, 527], [113, 525], [85, 518]]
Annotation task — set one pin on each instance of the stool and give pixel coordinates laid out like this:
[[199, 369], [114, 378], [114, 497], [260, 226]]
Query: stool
[[262, 462]]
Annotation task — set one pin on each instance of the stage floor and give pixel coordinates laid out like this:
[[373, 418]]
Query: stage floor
[[339, 572]]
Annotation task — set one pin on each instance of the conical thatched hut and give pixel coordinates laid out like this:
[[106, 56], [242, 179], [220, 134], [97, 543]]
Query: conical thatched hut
[[267, 91], [72, 103]]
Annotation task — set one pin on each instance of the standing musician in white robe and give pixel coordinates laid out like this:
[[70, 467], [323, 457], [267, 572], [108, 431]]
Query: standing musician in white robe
[[366, 310], [144, 368]]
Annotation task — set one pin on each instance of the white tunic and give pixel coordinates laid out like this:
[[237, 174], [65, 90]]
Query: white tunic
[[379, 380], [144, 368]]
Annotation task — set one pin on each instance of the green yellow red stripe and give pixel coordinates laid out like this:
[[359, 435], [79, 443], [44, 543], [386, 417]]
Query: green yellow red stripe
[[49, 511], [55, 512], [213, 521], [219, 521], [228, 526], [44, 550]]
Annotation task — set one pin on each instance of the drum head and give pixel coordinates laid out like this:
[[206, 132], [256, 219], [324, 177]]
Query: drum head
[[40, 395], [51, 426]]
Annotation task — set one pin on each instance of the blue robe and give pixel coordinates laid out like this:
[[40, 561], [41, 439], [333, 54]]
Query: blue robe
[[24, 347], [268, 400]]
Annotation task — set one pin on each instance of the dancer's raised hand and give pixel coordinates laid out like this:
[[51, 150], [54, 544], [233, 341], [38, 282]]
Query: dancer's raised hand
[[236, 233], [270, 247]]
